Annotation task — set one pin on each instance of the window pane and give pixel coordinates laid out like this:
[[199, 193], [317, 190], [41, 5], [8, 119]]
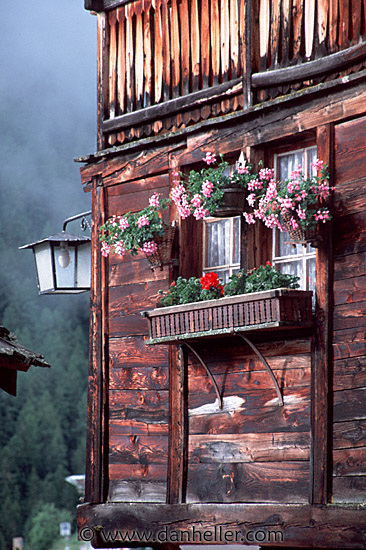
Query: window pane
[[288, 163], [218, 239], [311, 274], [291, 268], [223, 274], [284, 247], [311, 154], [236, 244]]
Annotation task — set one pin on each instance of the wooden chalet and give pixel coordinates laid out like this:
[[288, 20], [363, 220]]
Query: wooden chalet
[[171, 451]]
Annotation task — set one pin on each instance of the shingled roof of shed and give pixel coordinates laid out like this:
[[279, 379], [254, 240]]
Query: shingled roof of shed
[[13, 358]]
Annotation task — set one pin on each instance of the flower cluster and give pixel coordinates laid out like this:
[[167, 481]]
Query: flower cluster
[[203, 192], [134, 232], [209, 286], [299, 202]]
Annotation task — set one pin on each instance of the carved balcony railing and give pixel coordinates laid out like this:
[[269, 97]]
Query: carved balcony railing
[[168, 64]]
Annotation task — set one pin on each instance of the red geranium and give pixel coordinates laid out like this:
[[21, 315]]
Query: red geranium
[[210, 280]]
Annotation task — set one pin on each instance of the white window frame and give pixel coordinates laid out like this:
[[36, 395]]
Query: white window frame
[[303, 254]]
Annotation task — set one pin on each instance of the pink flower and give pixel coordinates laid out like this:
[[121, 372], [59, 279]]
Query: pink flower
[[200, 213], [251, 199], [105, 249], [322, 215], [266, 173], [317, 164], [149, 248], [241, 167], [323, 190], [113, 221], [118, 249], [177, 192], [301, 213], [249, 218], [142, 221], [255, 184], [209, 158], [196, 201], [295, 174], [154, 200], [287, 203], [290, 187], [271, 190], [294, 223], [184, 211], [207, 187], [123, 224]]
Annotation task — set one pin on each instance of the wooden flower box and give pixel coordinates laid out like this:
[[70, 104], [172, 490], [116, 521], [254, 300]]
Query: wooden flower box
[[258, 311]]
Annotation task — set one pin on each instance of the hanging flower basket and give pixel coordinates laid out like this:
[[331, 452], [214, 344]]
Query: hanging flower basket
[[299, 235], [233, 203], [163, 253]]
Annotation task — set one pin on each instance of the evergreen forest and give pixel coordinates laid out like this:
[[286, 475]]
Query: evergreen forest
[[47, 117]]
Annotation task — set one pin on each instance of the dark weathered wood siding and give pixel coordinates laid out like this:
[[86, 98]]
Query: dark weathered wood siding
[[253, 450], [349, 377], [138, 375]]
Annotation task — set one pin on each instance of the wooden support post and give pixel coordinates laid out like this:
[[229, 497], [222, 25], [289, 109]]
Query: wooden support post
[[177, 456], [321, 465], [96, 452]]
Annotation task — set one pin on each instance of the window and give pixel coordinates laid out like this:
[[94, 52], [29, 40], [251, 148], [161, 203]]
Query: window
[[221, 251], [295, 259]]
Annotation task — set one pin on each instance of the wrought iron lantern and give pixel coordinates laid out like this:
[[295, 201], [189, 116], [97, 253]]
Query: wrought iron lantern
[[63, 260]]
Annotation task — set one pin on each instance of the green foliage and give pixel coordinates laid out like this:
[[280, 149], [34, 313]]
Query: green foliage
[[134, 231], [209, 287], [265, 277], [184, 291], [44, 526], [203, 192], [42, 429]]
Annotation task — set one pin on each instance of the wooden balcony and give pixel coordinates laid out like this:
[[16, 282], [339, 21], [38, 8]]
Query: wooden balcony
[[165, 65]]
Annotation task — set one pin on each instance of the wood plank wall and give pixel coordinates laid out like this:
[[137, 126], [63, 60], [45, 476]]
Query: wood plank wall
[[138, 375], [252, 450], [349, 379]]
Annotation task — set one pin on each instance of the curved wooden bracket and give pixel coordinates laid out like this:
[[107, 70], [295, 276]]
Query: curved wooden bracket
[[256, 351], [209, 373], [266, 365]]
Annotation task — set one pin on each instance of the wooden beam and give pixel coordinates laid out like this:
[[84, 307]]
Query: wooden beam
[[272, 120], [321, 468], [306, 71], [97, 399], [172, 106], [285, 524], [104, 5], [93, 5], [178, 444]]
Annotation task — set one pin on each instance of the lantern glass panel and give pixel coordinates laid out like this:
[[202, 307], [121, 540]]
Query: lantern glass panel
[[43, 257], [83, 266], [65, 276]]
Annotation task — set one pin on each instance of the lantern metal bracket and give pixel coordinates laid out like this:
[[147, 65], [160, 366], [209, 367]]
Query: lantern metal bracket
[[84, 224]]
